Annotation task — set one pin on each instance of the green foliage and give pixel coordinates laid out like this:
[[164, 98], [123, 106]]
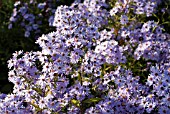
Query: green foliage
[[75, 102], [92, 100], [163, 15]]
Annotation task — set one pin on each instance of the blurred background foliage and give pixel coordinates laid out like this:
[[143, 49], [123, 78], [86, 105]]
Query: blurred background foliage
[[12, 40]]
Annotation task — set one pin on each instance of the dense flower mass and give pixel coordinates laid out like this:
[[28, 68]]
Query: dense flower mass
[[86, 65]]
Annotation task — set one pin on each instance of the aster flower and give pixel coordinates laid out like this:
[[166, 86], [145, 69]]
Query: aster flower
[[42, 103], [124, 19], [164, 110]]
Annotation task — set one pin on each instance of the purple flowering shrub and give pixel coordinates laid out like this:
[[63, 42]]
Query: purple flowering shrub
[[98, 61]]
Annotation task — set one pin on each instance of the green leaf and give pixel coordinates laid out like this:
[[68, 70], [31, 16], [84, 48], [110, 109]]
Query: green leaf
[[38, 90], [92, 100], [75, 102]]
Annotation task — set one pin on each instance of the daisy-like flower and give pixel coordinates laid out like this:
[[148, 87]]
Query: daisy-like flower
[[42, 103], [124, 19], [164, 110], [150, 80], [150, 107]]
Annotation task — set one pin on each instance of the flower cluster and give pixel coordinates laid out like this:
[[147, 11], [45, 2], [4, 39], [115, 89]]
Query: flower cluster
[[85, 66], [33, 16], [138, 6]]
